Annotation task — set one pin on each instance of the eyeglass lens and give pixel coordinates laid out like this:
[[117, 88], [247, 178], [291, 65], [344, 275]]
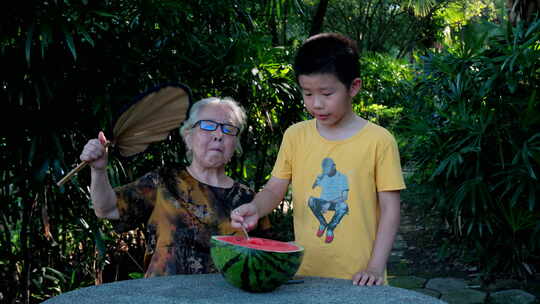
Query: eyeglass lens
[[210, 125]]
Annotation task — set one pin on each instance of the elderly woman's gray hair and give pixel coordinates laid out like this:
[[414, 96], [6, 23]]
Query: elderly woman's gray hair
[[238, 113]]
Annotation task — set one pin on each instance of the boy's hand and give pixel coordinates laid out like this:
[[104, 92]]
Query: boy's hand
[[368, 278], [246, 215]]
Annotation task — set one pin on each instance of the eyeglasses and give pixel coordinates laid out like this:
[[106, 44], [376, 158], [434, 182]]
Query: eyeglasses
[[210, 125]]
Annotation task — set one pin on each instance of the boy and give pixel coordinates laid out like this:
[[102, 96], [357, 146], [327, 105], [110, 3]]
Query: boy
[[354, 201]]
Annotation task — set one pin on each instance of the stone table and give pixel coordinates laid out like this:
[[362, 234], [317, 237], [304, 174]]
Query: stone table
[[212, 288]]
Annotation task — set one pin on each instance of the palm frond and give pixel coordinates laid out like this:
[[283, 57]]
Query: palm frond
[[151, 119]]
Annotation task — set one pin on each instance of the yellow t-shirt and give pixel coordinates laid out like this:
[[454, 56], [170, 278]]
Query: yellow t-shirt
[[334, 188]]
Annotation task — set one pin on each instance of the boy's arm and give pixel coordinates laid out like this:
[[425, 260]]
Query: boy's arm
[[265, 201], [389, 202]]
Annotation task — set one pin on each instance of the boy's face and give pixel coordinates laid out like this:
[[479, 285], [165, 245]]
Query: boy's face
[[327, 98]]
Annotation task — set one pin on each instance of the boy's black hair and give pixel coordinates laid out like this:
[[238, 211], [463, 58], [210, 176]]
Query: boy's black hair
[[328, 53]]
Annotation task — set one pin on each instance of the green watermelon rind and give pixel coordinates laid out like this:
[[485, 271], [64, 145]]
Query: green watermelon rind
[[254, 270]]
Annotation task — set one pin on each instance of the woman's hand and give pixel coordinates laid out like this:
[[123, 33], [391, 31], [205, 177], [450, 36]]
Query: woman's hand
[[246, 215], [95, 152]]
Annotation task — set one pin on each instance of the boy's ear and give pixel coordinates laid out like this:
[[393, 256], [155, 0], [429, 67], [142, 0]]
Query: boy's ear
[[356, 85]]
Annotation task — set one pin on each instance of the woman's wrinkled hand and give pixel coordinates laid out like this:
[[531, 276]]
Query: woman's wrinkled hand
[[95, 152]]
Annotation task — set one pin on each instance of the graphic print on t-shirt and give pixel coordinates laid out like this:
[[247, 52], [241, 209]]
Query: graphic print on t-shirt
[[334, 194]]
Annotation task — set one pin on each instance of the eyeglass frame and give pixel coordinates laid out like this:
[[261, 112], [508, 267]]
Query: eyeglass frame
[[215, 125]]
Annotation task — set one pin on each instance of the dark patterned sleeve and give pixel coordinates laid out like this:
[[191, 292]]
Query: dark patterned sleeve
[[135, 202]]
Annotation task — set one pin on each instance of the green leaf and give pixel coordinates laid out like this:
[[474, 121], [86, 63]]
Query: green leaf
[[532, 28], [100, 243], [487, 86], [42, 171], [84, 223], [136, 275], [73, 277], [86, 36], [57, 273], [517, 193], [70, 44], [532, 197], [532, 115], [104, 14], [28, 45], [45, 37]]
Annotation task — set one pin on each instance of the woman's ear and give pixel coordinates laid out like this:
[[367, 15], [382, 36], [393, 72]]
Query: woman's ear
[[187, 139], [356, 86]]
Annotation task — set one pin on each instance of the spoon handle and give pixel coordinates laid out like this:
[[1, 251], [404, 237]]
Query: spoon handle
[[245, 232]]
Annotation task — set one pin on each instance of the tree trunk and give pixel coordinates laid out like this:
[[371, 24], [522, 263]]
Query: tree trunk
[[522, 10], [316, 25], [26, 253]]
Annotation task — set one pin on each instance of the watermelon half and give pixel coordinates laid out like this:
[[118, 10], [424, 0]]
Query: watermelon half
[[257, 264]]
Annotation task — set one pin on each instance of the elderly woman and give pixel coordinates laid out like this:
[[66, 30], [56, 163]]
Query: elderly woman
[[182, 207]]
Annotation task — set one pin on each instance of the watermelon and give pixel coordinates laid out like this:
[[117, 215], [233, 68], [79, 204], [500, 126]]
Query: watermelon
[[255, 264]]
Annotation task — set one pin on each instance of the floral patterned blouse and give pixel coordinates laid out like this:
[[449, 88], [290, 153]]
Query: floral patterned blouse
[[181, 214]]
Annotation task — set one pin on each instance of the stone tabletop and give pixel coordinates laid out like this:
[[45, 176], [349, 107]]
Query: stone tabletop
[[212, 288]]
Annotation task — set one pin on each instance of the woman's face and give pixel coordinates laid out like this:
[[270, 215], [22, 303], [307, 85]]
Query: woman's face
[[212, 149]]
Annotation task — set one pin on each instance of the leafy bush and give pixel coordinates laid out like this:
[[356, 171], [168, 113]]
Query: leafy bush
[[72, 66], [474, 122], [384, 84]]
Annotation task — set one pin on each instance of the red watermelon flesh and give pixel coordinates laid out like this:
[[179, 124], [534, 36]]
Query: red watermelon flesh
[[260, 243], [255, 264]]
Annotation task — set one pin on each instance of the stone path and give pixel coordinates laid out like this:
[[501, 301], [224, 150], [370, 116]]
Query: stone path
[[448, 289]]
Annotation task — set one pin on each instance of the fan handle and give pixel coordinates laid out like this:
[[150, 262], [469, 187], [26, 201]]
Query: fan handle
[[71, 173]]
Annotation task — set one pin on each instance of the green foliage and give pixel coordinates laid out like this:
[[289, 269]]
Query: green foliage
[[420, 7], [71, 66], [460, 13], [474, 123], [397, 27], [384, 85]]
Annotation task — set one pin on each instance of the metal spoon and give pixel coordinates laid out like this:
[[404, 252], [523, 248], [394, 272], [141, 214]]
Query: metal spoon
[[242, 225], [245, 232]]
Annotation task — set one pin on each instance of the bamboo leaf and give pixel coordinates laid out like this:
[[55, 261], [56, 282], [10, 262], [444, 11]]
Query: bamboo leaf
[[28, 44], [486, 86], [470, 228], [86, 35], [525, 156], [73, 277], [42, 171], [100, 243], [104, 14], [70, 44], [32, 152], [532, 28], [46, 37], [58, 274], [532, 114], [532, 196], [515, 197]]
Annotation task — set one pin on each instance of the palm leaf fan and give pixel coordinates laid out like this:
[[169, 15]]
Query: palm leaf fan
[[148, 119]]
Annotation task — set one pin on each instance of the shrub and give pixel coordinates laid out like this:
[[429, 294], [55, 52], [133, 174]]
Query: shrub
[[475, 110]]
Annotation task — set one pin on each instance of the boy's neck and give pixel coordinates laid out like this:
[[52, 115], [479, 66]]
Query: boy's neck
[[347, 127]]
